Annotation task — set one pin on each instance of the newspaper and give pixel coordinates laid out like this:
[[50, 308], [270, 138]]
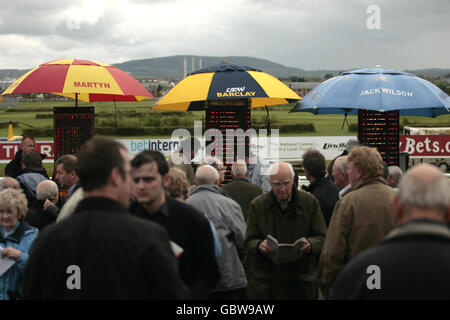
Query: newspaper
[[285, 252]]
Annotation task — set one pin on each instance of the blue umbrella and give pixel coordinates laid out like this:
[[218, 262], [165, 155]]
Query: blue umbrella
[[378, 90]]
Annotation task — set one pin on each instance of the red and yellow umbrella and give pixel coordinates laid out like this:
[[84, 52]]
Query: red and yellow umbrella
[[85, 80]]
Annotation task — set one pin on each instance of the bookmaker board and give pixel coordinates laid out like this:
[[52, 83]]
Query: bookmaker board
[[381, 130], [72, 126], [223, 115]]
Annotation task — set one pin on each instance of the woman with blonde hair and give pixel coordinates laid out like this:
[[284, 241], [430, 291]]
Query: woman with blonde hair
[[179, 184], [16, 237]]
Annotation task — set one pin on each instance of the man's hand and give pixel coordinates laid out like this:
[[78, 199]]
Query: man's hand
[[264, 248], [11, 253], [306, 248]]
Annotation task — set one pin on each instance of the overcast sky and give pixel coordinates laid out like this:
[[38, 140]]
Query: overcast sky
[[308, 34]]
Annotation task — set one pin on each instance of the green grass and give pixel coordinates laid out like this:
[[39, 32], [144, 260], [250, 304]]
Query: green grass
[[326, 125]]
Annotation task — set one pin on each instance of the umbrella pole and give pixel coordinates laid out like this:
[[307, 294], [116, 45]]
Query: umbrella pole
[[115, 114], [76, 99]]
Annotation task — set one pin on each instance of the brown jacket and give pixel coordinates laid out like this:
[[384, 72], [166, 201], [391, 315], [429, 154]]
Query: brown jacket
[[360, 220]]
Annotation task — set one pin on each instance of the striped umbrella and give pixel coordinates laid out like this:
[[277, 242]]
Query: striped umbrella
[[226, 81], [84, 80]]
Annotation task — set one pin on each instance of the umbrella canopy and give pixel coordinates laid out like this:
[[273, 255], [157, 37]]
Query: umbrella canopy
[[80, 79], [226, 81], [378, 90]]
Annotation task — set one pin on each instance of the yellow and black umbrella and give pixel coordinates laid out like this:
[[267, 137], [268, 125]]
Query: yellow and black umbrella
[[226, 81]]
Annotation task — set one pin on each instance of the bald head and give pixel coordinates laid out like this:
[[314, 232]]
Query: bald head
[[423, 193], [207, 174], [282, 180], [9, 182], [47, 189]]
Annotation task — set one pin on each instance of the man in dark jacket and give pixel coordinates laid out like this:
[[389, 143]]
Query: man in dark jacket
[[14, 167], [32, 174], [187, 227], [287, 214], [240, 189], [413, 261], [101, 251], [321, 187], [40, 213]]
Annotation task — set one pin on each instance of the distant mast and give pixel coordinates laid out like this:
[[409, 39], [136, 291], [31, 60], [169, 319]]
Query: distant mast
[[185, 67], [200, 63], [193, 63]]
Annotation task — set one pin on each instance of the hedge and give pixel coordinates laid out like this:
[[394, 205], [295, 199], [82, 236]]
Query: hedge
[[162, 130]]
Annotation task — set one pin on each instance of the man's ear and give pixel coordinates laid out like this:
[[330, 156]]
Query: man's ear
[[166, 180], [115, 178]]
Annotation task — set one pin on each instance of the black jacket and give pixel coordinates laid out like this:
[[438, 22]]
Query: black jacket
[[14, 167], [327, 193], [413, 262], [118, 256], [37, 217], [189, 229]]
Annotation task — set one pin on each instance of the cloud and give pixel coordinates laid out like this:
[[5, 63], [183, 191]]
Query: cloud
[[320, 34]]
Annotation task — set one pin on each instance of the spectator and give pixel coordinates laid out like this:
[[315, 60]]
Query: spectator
[[352, 143], [226, 216], [187, 227], [240, 189], [340, 175], [102, 251], [413, 259], [178, 189], [14, 167], [218, 165], [66, 175], [9, 182], [31, 175], [287, 214], [43, 210], [395, 175], [320, 186], [16, 239], [360, 219], [258, 171], [183, 157]]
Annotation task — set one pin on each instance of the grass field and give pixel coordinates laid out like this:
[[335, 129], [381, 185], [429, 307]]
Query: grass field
[[326, 125]]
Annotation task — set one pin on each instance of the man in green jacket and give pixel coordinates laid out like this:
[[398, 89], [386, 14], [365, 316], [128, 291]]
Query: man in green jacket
[[286, 214], [361, 219]]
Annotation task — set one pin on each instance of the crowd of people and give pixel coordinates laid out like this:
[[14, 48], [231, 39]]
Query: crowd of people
[[148, 228]]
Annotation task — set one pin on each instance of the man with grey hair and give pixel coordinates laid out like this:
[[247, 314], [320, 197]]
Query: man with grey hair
[[413, 261], [340, 175], [287, 214], [395, 174], [218, 165], [352, 143], [9, 182], [240, 189], [43, 211], [226, 216]]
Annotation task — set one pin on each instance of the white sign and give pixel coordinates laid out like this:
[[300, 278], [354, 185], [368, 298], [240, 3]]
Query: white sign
[[289, 148]]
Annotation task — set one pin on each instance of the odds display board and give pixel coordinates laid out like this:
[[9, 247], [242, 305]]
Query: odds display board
[[223, 115], [72, 126], [381, 130]]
